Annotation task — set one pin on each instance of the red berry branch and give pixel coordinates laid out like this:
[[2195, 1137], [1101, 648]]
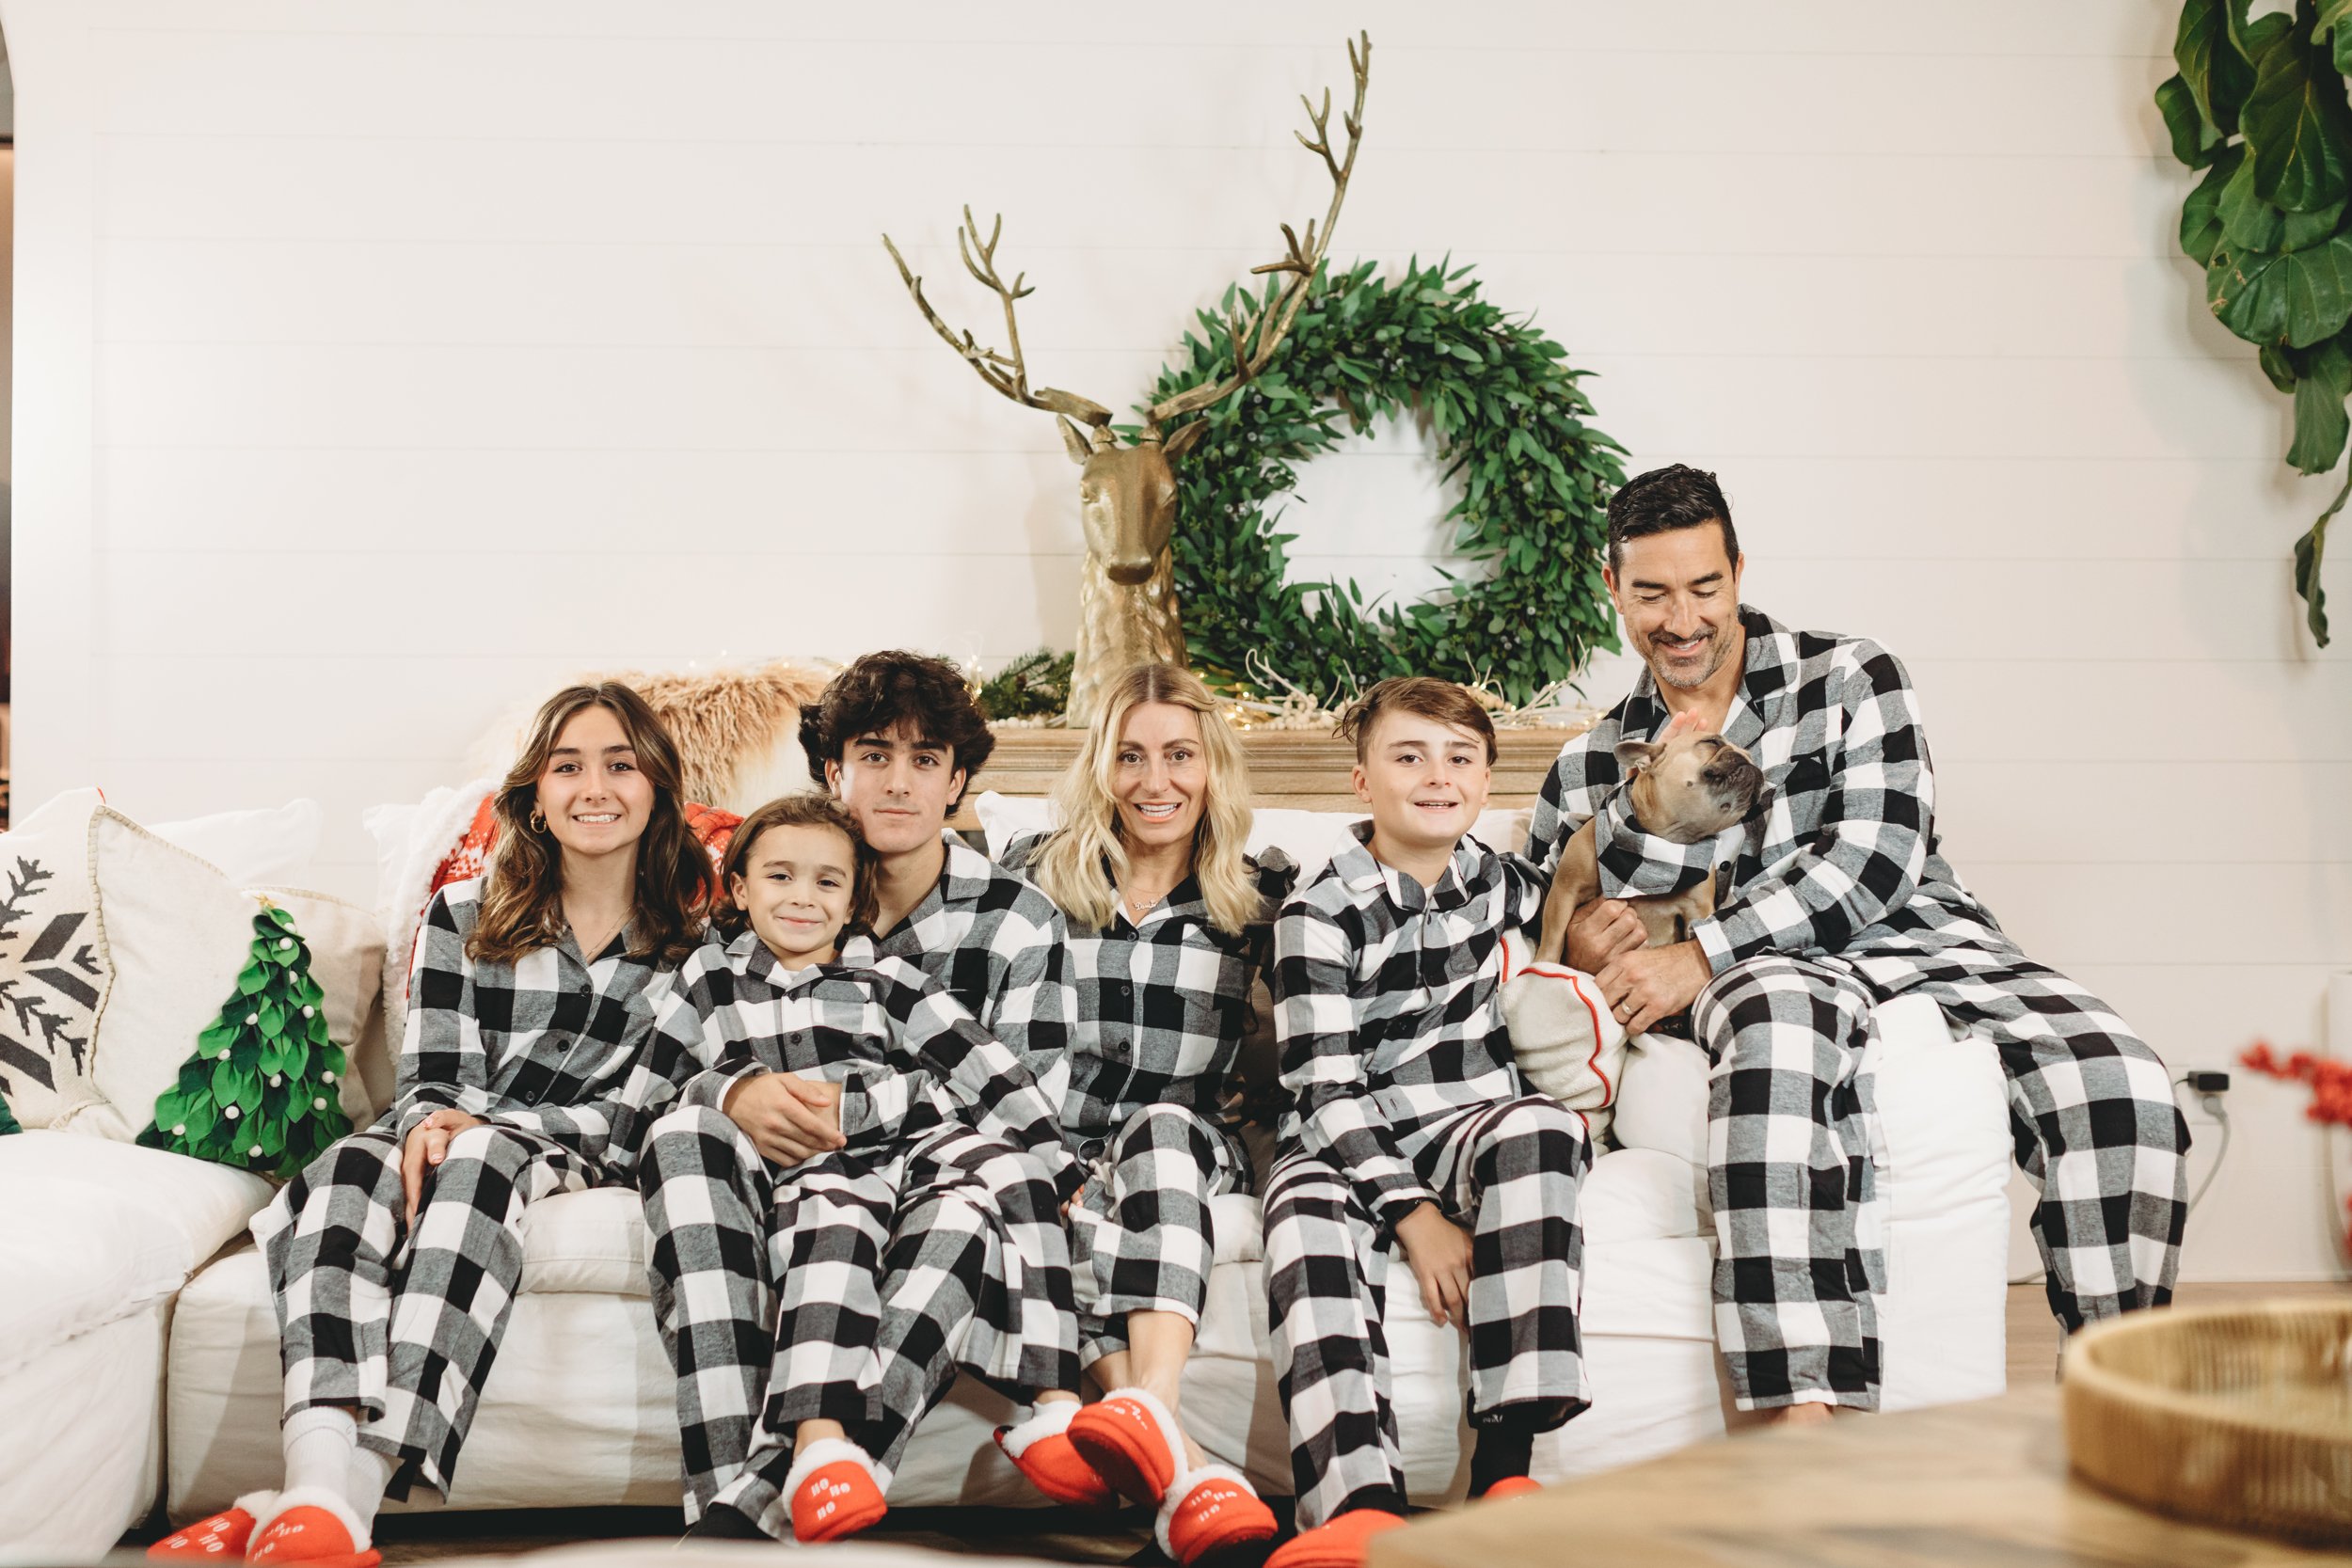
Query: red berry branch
[[2330, 1083]]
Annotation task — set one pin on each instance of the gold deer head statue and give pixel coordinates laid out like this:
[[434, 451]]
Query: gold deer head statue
[[1127, 610]]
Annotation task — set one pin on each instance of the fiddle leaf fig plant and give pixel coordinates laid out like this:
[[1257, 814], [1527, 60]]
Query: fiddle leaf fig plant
[[2259, 104]]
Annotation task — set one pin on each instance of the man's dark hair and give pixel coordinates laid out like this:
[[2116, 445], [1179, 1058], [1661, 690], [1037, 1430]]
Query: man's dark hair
[[1677, 496], [879, 690]]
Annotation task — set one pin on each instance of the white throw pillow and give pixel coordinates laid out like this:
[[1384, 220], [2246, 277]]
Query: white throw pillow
[[412, 841], [178, 933], [346, 946], [55, 972], [253, 848]]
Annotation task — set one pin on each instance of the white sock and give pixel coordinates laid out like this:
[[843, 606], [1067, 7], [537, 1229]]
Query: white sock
[[370, 1472], [321, 1443]]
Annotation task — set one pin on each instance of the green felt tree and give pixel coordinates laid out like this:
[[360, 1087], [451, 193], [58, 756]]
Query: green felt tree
[[261, 1090]]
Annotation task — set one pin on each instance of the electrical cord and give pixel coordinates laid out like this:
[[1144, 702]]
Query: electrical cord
[[2209, 1101]]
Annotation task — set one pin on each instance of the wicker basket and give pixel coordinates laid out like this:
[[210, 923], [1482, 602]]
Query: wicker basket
[[2234, 1416]]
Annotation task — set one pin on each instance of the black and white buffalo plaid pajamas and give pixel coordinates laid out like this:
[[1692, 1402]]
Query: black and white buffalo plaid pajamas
[[852, 1287], [1839, 898], [996, 943], [1387, 1004], [400, 1323], [1162, 1005]]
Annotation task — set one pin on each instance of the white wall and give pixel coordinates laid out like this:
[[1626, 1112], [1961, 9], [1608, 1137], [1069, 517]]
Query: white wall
[[380, 364]]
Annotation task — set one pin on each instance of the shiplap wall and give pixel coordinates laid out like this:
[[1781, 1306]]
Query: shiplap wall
[[377, 364]]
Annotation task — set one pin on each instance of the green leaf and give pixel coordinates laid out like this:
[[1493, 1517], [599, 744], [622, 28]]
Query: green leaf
[[2320, 423], [2331, 14], [2201, 215], [2247, 221], [2278, 367], [2216, 75], [2256, 37], [2299, 128], [254, 977], [2297, 298], [2193, 141], [2310, 552]]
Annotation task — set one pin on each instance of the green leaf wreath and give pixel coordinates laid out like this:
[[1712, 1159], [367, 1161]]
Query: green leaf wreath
[[2259, 104], [1510, 420]]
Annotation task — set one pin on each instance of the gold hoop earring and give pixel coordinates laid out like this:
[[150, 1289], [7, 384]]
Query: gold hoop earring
[[538, 820]]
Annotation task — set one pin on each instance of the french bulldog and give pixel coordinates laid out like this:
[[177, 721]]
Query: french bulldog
[[1687, 787]]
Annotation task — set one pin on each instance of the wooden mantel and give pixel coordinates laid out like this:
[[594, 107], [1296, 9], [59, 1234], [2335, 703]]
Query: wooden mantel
[[1297, 769]]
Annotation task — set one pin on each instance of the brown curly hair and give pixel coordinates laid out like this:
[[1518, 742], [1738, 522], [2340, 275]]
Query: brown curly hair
[[522, 903], [806, 810], [879, 691]]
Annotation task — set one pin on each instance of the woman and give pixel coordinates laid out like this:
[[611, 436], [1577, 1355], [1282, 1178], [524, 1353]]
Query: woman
[[394, 1257], [1169, 925]]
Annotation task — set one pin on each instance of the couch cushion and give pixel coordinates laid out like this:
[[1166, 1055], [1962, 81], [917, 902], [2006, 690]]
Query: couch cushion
[[1640, 1195], [54, 961], [96, 1231], [181, 1210]]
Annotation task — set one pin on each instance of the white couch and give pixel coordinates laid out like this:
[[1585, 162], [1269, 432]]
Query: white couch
[[579, 1409]]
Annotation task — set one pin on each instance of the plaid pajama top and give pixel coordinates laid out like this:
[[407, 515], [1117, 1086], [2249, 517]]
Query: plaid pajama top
[[908, 1056], [1162, 1005], [995, 943], [551, 1044], [1388, 1006], [1842, 859]]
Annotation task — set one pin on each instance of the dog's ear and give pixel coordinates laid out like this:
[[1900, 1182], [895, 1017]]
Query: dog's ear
[[1634, 756]]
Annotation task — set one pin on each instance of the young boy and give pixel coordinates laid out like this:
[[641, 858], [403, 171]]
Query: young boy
[[1409, 1124]]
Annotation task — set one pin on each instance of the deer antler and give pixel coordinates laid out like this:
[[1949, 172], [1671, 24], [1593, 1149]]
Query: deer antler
[[1258, 332], [1008, 372]]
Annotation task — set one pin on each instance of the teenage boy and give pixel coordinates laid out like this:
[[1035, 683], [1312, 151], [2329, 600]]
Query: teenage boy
[[897, 739], [1408, 1126], [1839, 898]]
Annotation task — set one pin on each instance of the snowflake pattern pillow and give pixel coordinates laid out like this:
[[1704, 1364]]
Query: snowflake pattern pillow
[[54, 971]]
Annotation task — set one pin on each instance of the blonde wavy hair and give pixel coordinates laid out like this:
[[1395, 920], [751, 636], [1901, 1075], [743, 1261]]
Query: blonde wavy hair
[[1080, 866]]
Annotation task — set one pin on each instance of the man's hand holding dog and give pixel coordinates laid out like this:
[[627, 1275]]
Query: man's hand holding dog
[[1650, 983], [1601, 931]]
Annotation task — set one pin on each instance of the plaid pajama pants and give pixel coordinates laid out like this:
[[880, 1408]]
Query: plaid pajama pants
[[1511, 1170], [852, 1289], [1141, 1233], [403, 1323], [1792, 1133]]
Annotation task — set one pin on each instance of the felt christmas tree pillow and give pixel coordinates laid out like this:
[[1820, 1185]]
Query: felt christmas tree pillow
[[262, 1090]]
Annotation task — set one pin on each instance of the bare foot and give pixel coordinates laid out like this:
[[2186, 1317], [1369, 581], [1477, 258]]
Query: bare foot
[[1808, 1415]]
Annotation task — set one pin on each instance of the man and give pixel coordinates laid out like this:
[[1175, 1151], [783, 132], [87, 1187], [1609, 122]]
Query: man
[[1837, 899]]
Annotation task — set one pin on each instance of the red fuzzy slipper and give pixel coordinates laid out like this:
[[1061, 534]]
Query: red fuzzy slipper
[[314, 1528], [1339, 1543], [1132, 1441], [1510, 1486], [832, 1491], [1039, 1449], [218, 1539], [1212, 1509]]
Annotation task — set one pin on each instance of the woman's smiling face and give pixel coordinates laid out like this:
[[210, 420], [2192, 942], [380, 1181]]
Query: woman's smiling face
[[1160, 775]]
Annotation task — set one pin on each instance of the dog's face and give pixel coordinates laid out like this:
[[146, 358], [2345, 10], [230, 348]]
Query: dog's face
[[1688, 787]]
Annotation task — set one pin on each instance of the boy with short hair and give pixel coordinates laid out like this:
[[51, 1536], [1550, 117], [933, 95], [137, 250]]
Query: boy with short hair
[[1410, 1125]]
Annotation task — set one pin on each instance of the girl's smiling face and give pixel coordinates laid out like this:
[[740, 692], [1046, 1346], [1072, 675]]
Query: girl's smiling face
[[796, 887], [591, 793]]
